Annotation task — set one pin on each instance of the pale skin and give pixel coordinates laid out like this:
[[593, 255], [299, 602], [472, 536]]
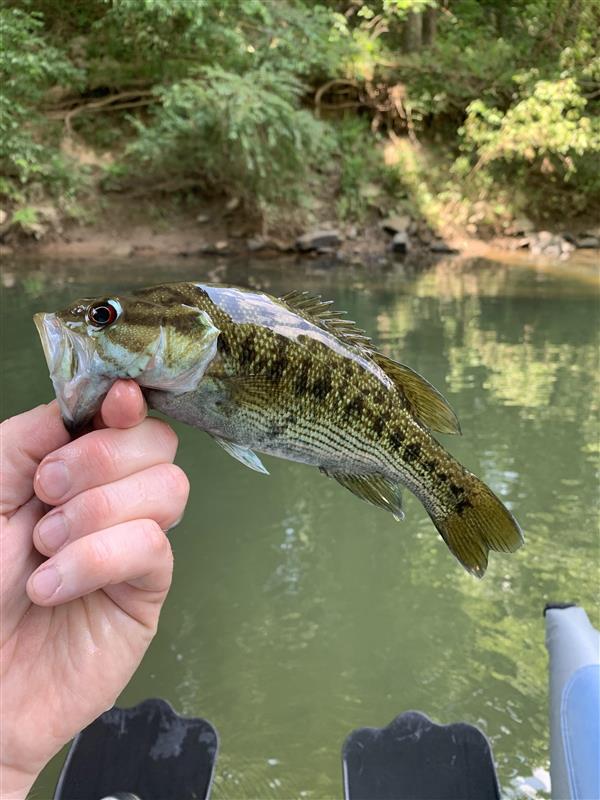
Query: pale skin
[[80, 600]]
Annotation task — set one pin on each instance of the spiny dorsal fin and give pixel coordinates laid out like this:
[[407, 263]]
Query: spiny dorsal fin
[[427, 404], [329, 319], [375, 489]]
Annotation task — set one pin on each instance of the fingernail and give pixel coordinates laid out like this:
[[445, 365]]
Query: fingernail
[[52, 531], [53, 479], [45, 582], [176, 523]]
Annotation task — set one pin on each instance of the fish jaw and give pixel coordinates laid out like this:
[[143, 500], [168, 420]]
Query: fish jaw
[[71, 358]]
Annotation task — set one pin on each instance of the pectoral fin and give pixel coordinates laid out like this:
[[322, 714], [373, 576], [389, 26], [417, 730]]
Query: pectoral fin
[[428, 405], [375, 489], [243, 454]]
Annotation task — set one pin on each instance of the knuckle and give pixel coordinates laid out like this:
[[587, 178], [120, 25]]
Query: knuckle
[[101, 451], [98, 554], [94, 506]]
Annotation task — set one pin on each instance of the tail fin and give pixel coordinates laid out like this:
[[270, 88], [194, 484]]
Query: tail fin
[[476, 524]]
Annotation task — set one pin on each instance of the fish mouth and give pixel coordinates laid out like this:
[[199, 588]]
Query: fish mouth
[[70, 359], [52, 337]]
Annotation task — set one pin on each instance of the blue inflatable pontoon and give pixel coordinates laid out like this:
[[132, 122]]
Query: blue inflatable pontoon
[[574, 648]]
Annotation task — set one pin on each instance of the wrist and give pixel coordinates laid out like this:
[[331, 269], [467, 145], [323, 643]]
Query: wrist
[[15, 783]]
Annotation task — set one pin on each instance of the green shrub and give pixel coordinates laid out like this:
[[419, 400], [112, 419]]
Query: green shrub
[[29, 66], [220, 93], [243, 134], [547, 135]]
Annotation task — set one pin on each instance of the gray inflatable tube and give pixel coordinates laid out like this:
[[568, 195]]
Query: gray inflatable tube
[[574, 648]]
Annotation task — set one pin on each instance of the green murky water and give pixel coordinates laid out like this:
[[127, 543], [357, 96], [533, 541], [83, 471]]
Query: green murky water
[[299, 613]]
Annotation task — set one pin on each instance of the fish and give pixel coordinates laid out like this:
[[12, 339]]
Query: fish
[[290, 377]]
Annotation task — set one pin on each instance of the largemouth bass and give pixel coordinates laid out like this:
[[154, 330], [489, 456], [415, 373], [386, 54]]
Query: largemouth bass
[[289, 377]]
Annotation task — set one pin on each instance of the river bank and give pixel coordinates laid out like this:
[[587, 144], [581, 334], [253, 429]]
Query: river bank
[[129, 228]]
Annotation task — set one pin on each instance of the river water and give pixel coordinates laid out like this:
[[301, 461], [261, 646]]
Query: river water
[[299, 613]]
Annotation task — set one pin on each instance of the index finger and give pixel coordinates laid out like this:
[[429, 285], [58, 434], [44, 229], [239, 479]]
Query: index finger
[[101, 457], [25, 440], [123, 407]]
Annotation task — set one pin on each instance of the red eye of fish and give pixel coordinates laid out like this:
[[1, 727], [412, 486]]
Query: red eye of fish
[[102, 314]]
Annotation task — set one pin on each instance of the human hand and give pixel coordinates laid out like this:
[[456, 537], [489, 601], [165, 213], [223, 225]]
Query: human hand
[[74, 627]]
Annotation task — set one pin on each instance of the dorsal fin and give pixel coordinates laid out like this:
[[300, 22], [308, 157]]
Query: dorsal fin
[[329, 319], [428, 405]]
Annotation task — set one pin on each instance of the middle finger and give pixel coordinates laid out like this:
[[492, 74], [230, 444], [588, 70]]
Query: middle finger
[[101, 457], [158, 493]]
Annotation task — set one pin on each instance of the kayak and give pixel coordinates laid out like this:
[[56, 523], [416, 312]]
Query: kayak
[[412, 757], [574, 649]]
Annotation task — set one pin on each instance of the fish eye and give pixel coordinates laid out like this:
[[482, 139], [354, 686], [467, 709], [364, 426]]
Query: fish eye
[[102, 314]]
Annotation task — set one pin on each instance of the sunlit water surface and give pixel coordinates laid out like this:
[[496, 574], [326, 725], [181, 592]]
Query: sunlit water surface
[[297, 612]]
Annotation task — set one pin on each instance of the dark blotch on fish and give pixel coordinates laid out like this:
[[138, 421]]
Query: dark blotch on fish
[[321, 387], [378, 424], [248, 351], [223, 345], [301, 379], [462, 506], [396, 438], [412, 451], [276, 368], [276, 428]]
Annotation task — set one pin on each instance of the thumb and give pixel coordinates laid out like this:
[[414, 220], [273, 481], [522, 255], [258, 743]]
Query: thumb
[[123, 407]]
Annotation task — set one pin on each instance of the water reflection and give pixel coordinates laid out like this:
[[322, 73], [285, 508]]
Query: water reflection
[[299, 613]]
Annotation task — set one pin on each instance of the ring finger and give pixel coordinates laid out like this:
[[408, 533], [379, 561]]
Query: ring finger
[[158, 493]]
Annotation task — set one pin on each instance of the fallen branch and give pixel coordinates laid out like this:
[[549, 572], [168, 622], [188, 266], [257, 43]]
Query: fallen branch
[[329, 85], [138, 97]]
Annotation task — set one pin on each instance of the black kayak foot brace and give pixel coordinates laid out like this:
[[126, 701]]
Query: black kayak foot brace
[[412, 758], [147, 751]]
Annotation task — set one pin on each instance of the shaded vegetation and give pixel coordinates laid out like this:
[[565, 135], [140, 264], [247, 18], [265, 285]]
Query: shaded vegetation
[[452, 109]]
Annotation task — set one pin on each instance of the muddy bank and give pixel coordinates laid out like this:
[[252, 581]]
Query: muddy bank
[[135, 230]]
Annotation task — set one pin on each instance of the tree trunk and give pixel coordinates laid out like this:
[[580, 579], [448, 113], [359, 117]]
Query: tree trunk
[[413, 32], [429, 27]]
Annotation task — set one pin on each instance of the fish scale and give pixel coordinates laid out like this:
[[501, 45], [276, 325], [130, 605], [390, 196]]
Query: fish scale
[[290, 377]]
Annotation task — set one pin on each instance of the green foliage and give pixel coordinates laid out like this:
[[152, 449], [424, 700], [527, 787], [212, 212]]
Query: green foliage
[[25, 216], [546, 137], [364, 179], [548, 121], [28, 68], [244, 134], [220, 93], [518, 84]]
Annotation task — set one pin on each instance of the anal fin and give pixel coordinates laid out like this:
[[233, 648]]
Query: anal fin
[[243, 454], [374, 489]]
